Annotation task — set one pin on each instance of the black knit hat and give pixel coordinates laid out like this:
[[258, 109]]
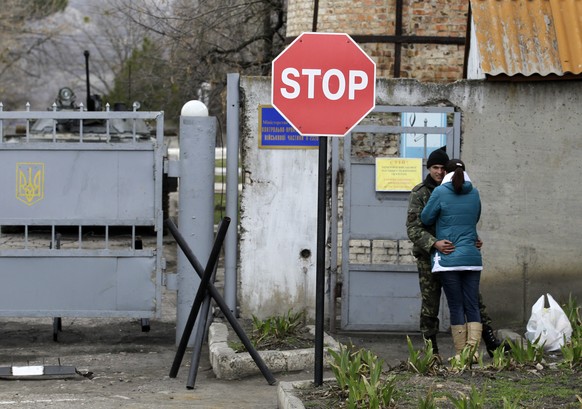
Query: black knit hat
[[438, 157]]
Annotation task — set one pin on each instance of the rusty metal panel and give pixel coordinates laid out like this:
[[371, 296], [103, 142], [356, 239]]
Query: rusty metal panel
[[528, 37], [568, 22]]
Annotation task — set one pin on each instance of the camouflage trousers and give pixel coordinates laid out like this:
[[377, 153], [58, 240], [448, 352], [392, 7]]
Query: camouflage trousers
[[430, 291]]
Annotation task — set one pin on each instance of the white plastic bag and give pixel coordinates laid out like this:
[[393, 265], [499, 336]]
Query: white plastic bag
[[549, 324]]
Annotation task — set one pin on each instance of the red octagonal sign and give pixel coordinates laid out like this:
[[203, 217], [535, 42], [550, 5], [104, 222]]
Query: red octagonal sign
[[323, 84]]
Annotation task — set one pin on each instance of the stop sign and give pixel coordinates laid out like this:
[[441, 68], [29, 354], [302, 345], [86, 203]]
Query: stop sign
[[323, 84]]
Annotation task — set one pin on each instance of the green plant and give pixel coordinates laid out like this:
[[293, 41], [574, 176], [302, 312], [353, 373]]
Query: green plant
[[428, 402], [572, 353], [359, 376], [276, 328], [514, 404], [276, 331], [464, 359], [422, 361], [572, 348], [345, 366], [530, 353], [475, 400], [500, 359], [572, 310], [574, 314]]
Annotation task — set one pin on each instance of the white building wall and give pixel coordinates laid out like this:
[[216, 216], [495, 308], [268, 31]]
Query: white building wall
[[278, 219]]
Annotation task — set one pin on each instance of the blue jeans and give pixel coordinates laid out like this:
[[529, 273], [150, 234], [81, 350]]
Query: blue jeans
[[462, 291]]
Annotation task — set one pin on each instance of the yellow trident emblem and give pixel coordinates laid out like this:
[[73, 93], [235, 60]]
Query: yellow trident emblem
[[29, 182]]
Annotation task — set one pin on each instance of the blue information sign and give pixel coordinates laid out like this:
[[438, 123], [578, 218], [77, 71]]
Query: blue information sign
[[276, 133]]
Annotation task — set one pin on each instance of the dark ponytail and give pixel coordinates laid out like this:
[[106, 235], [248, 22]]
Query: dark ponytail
[[458, 167]]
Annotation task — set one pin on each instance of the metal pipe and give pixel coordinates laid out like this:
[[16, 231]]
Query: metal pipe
[[221, 304], [200, 294], [315, 16], [320, 264], [199, 339], [89, 108], [397, 44], [232, 138]]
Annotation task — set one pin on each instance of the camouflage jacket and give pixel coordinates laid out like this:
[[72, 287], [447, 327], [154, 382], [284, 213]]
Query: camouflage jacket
[[422, 237]]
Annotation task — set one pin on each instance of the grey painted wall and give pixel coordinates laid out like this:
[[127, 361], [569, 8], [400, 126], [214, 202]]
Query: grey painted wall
[[522, 143]]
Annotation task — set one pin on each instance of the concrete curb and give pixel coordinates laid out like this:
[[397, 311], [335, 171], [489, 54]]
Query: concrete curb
[[229, 365], [286, 398]]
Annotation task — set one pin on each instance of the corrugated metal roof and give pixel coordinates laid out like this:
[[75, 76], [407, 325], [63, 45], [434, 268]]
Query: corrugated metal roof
[[528, 36]]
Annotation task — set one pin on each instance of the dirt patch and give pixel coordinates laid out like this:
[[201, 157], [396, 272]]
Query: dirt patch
[[525, 388]]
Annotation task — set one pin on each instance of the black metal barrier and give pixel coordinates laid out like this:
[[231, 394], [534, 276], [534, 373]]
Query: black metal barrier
[[207, 287]]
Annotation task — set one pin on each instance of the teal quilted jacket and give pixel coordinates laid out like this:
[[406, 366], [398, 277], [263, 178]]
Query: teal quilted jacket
[[456, 217]]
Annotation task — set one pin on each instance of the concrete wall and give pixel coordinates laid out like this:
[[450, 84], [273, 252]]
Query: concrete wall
[[278, 218], [522, 143]]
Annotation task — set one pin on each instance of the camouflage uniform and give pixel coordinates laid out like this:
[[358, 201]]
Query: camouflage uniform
[[423, 238]]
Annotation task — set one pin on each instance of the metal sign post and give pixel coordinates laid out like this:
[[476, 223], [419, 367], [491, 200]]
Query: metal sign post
[[323, 84]]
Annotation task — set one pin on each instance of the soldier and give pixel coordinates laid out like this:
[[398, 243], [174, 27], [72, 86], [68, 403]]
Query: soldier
[[423, 239]]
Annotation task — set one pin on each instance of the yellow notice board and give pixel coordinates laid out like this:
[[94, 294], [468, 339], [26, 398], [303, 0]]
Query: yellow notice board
[[398, 174]]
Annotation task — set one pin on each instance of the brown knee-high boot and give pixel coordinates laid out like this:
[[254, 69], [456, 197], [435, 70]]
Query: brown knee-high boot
[[459, 333], [474, 330]]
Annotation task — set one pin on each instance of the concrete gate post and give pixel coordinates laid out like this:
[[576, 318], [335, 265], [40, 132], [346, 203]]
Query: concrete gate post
[[196, 203]]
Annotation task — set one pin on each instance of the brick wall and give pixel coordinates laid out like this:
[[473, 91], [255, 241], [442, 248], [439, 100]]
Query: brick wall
[[425, 62]]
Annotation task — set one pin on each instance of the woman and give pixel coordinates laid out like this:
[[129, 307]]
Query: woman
[[455, 207]]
